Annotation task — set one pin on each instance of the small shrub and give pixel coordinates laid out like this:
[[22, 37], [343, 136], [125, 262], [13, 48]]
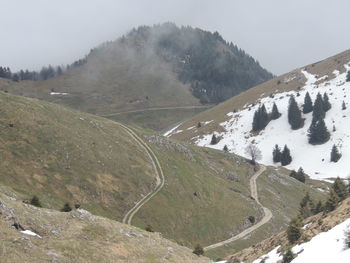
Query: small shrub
[[149, 228], [251, 219], [198, 250], [66, 208], [35, 201]]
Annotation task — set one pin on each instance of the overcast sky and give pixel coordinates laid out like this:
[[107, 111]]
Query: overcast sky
[[281, 34]]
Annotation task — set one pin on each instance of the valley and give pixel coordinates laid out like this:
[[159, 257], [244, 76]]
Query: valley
[[171, 144]]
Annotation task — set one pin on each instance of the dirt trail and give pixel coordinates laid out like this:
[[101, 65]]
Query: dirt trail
[[156, 109], [158, 171], [264, 220]]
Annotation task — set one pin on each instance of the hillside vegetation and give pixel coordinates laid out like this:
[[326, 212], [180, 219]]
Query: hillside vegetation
[[151, 67], [78, 236], [62, 155], [319, 231]]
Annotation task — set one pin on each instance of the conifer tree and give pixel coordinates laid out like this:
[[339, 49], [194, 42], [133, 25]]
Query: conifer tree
[[348, 76], [343, 106], [275, 114], [307, 107], [294, 114], [318, 208], [264, 117], [276, 154], [214, 140], [288, 256], [300, 175], [294, 230], [15, 77], [285, 156], [326, 105], [306, 206], [261, 119], [318, 112], [225, 148], [335, 154], [331, 202], [318, 133], [256, 121], [340, 189]]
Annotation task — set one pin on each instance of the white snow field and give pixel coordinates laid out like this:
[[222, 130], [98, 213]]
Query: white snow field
[[323, 248], [314, 159]]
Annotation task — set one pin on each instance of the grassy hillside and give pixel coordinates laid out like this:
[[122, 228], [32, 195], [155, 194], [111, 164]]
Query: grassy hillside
[[63, 155], [78, 236], [282, 195], [287, 82]]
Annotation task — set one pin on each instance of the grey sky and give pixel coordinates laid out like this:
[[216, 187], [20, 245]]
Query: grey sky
[[281, 34]]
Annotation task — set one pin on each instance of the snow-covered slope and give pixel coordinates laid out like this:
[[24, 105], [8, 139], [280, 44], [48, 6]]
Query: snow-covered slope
[[314, 159], [324, 248]]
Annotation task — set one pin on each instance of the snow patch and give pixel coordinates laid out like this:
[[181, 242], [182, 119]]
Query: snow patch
[[323, 248], [272, 257], [30, 233], [59, 93], [315, 159], [169, 132]]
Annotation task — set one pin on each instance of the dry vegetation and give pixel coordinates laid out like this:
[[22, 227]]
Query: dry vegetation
[[78, 236]]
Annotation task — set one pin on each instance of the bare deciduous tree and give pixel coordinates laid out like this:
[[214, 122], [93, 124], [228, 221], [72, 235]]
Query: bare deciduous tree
[[253, 152]]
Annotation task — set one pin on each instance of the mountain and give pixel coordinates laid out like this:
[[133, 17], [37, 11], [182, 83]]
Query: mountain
[[162, 73], [190, 194], [232, 121], [45, 235], [325, 238]]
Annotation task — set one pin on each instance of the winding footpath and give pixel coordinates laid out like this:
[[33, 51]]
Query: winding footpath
[[158, 171], [267, 213], [160, 183]]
